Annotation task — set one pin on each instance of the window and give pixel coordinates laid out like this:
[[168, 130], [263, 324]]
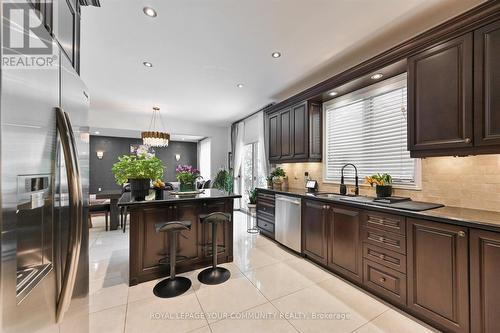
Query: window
[[368, 128]]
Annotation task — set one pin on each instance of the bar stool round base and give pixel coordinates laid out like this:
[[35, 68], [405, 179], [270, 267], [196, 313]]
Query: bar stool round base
[[172, 287], [215, 275]]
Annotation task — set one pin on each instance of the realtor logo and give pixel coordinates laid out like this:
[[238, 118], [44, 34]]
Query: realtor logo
[[25, 41]]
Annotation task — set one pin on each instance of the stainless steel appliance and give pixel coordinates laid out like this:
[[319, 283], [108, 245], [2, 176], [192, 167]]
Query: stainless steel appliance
[[44, 185], [288, 222]]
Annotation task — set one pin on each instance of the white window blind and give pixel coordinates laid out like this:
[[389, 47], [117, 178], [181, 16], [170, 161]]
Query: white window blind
[[369, 129]]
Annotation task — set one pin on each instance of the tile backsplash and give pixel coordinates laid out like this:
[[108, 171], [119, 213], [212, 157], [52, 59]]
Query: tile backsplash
[[469, 182]]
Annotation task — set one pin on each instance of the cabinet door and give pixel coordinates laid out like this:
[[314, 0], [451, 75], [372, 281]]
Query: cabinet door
[[315, 132], [286, 124], [487, 85], [440, 96], [485, 270], [274, 137], [314, 229], [438, 281], [67, 29], [300, 131], [344, 246]]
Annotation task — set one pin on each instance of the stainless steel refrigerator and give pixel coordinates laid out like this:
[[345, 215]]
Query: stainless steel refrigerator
[[44, 165]]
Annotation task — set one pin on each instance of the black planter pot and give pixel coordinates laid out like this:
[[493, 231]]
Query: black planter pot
[[139, 188], [384, 191], [158, 194]]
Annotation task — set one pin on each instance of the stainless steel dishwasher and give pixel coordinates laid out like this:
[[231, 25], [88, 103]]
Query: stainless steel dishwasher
[[288, 222]]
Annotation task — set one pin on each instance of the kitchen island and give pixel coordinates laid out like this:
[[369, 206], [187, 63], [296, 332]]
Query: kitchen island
[[147, 247]]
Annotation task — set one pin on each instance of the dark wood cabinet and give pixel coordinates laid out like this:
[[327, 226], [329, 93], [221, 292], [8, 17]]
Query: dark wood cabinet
[[487, 85], [286, 131], [274, 137], [485, 271], [266, 204], [294, 134], [315, 217], [300, 131], [66, 29], [438, 278], [344, 244], [440, 91]]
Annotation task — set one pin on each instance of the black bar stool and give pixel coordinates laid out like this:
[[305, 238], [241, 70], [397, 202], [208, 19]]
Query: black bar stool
[[214, 274], [174, 285]]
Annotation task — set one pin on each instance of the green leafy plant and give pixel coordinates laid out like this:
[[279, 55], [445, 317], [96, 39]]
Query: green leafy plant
[[252, 196], [143, 166], [224, 180], [379, 179], [278, 172], [187, 174]]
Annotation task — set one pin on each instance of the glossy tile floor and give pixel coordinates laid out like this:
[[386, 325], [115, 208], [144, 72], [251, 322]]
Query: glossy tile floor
[[270, 290]]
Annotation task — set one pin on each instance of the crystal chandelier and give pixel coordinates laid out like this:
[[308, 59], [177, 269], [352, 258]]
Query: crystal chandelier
[[156, 137]]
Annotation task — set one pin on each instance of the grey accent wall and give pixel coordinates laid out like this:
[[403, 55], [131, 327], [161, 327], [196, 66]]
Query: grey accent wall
[[101, 175]]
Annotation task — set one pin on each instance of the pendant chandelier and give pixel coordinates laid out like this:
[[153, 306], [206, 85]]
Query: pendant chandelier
[[156, 136]]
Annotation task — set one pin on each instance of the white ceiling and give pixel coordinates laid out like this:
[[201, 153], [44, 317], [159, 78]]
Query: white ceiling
[[201, 49]]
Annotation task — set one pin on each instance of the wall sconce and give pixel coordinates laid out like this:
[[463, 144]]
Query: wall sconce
[[177, 157], [100, 154]]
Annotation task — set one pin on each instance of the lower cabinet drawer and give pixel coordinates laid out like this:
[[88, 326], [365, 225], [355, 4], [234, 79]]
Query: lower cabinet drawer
[[384, 281], [385, 239], [385, 257], [267, 226]]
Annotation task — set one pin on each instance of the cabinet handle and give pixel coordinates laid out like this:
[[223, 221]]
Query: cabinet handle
[[382, 279], [382, 256], [467, 140], [381, 239], [461, 233]]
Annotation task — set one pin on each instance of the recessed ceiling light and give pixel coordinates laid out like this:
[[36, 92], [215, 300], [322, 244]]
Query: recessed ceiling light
[[376, 76], [332, 93], [96, 132], [276, 54], [149, 11], [239, 85], [147, 64]]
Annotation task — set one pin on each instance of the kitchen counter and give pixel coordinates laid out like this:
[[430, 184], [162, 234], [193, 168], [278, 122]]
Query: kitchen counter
[[474, 218], [148, 247], [208, 194]]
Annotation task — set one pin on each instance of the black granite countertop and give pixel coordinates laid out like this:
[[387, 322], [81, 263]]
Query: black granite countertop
[[208, 194], [475, 218]]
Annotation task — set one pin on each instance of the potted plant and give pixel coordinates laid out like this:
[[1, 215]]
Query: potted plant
[[252, 198], [223, 181], [383, 184], [138, 170], [278, 175], [159, 187], [187, 176], [269, 180]]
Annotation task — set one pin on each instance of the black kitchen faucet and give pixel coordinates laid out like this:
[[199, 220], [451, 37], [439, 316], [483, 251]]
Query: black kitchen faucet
[[343, 187]]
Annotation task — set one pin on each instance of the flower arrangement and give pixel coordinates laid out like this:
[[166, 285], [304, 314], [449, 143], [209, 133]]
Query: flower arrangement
[[383, 184], [187, 175]]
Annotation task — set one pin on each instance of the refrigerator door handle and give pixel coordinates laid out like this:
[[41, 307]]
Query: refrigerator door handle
[[76, 210]]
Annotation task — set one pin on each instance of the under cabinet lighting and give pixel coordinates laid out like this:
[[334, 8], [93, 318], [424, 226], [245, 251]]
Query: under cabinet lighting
[[377, 76], [332, 93], [149, 11]]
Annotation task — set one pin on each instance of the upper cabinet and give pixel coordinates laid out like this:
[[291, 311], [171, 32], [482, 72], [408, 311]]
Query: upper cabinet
[[294, 133], [67, 29], [440, 96], [487, 85], [453, 96]]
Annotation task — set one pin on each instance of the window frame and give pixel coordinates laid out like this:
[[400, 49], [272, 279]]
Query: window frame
[[378, 88]]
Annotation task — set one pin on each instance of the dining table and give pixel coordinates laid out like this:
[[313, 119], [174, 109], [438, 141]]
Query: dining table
[[113, 196]]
